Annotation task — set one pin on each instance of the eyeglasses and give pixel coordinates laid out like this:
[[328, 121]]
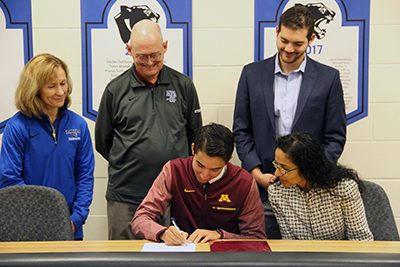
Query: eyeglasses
[[152, 57], [281, 168]]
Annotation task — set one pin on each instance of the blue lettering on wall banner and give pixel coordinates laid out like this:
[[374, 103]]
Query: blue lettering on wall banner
[[15, 51], [106, 26], [342, 41]]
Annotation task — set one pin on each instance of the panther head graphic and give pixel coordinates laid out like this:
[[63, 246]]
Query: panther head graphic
[[133, 15], [323, 15]]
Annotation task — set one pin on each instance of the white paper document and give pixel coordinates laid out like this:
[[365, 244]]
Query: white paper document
[[161, 247]]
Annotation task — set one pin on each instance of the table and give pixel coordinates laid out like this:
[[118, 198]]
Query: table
[[335, 246], [80, 246], [136, 246], [126, 253]]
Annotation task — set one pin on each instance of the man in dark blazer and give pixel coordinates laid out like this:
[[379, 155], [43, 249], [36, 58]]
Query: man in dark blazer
[[287, 93]]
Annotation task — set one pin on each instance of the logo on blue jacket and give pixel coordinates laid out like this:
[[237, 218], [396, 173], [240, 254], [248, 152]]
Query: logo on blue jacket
[[73, 134]]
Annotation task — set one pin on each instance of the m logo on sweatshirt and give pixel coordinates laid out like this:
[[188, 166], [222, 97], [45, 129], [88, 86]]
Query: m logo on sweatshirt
[[224, 198]]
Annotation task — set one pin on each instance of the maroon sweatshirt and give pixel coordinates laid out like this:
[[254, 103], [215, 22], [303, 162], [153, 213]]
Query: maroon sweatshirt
[[231, 203]]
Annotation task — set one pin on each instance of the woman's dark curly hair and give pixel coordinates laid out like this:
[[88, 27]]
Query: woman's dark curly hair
[[309, 156]]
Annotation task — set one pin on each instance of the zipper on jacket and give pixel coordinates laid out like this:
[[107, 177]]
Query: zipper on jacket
[[54, 133], [152, 97], [205, 187]]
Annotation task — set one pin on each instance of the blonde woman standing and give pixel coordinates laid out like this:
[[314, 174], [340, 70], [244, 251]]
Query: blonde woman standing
[[47, 144]]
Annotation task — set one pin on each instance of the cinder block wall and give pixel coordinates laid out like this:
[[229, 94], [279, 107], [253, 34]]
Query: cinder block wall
[[221, 46]]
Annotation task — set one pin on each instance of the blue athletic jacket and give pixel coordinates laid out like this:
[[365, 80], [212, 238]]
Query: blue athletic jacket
[[62, 158]]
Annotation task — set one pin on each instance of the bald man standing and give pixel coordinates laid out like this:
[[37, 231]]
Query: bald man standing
[[148, 115]]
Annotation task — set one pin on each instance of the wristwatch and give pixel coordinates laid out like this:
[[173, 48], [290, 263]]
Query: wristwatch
[[219, 231]]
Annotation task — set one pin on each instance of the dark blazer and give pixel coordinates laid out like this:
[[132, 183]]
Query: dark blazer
[[320, 111]]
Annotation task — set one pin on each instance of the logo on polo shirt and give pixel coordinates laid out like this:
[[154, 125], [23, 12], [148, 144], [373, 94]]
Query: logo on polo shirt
[[223, 208], [171, 96], [189, 190], [224, 198], [73, 134]]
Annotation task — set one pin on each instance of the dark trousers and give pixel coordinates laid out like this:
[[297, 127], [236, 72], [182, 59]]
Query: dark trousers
[[119, 215]]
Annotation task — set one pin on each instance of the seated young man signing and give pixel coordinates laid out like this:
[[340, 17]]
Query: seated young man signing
[[209, 197]]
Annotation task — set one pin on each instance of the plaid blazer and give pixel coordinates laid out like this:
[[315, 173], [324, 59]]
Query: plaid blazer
[[334, 214]]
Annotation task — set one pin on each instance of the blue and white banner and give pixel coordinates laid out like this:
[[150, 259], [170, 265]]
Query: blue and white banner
[[15, 51], [342, 41], [106, 26]]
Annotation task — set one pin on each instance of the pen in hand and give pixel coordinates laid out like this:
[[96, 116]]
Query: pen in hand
[[182, 233], [174, 224]]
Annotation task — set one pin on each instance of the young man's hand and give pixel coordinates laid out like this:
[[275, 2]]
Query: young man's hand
[[263, 179], [173, 237], [203, 236]]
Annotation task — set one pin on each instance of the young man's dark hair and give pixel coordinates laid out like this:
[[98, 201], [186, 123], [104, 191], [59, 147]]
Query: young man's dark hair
[[298, 17], [215, 140]]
